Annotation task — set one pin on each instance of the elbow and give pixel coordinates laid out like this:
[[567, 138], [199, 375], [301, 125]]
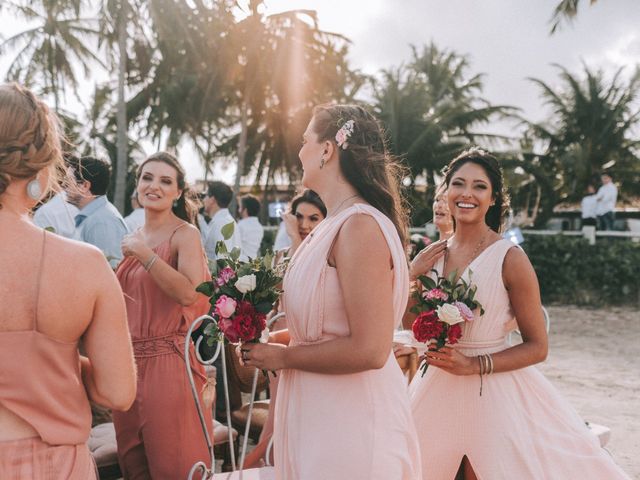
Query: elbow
[[188, 298], [543, 351], [121, 398], [375, 360], [123, 404]]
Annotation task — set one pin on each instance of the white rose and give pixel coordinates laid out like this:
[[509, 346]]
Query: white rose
[[449, 314], [247, 283]]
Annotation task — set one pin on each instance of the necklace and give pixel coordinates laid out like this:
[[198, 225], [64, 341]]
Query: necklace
[[335, 212], [471, 258]]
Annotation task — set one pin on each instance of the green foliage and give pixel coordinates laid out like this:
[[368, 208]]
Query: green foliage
[[572, 271]]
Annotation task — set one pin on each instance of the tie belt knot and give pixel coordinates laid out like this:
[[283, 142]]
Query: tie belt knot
[[155, 346]]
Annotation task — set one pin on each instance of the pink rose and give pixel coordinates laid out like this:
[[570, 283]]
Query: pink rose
[[435, 294], [225, 275], [225, 306], [465, 311]]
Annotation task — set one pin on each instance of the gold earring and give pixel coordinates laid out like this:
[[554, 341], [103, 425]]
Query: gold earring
[[321, 163]]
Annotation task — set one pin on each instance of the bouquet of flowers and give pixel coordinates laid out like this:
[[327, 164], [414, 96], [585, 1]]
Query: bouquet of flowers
[[442, 305], [241, 294]]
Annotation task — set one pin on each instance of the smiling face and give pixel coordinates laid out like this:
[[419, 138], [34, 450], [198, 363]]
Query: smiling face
[[308, 216], [158, 186], [470, 193], [310, 155], [441, 214]]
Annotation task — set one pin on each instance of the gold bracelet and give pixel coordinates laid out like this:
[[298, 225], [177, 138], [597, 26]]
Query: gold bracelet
[[147, 266]]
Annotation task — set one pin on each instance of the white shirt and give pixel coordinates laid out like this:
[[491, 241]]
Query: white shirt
[[204, 227], [607, 196], [282, 240], [135, 219], [58, 214], [589, 206], [251, 233], [221, 218]]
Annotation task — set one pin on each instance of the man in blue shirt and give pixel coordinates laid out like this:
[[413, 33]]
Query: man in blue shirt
[[98, 222]]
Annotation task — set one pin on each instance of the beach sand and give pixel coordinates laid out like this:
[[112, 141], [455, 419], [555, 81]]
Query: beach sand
[[594, 360]]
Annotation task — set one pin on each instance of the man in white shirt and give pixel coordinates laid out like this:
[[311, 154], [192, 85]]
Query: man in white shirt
[[135, 219], [58, 214], [251, 231], [589, 206], [606, 202], [216, 203]]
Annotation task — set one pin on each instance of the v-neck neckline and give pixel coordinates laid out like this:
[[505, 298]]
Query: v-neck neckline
[[470, 263]]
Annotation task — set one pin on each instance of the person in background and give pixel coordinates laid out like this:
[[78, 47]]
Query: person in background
[[250, 229], [589, 207], [98, 222], [606, 197], [135, 219], [216, 203], [160, 436], [54, 294], [58, 214]]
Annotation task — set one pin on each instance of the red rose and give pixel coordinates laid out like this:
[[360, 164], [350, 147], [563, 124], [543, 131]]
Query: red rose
[[454, 333], [426, 326], [247, 322], [228, 329]]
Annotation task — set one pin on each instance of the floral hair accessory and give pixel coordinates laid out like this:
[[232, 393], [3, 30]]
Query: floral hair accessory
[[344, 133]]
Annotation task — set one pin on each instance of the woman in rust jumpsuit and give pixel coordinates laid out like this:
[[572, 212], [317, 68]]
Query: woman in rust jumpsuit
[[160, 436]]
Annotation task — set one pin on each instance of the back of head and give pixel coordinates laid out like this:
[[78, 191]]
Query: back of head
[[251, 204], [311, 197], [497, 212], [29, 136], [221, 192], [364, 159], [97, 171]]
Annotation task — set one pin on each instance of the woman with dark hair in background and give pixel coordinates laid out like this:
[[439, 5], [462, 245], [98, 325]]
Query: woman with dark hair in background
[[160, 436], [54, 294], [342, 410], [482, 409]]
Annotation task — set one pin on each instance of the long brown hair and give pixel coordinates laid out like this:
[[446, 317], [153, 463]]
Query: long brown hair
[[366, 163], [30, 138], [187, 205]]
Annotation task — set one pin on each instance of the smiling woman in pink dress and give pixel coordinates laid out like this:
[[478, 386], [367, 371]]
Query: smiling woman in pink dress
[[342, 410], [516, 425]]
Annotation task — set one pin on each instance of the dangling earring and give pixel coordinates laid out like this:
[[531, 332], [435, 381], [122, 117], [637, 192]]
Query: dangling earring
[[321, 163], [175, 202], [34, 190]]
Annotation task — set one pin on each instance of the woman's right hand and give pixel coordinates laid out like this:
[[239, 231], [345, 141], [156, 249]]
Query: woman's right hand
[[424, 261], [291, 225]]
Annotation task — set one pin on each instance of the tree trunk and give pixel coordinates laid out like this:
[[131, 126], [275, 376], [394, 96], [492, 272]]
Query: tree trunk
[[242, 152], [121, 116]]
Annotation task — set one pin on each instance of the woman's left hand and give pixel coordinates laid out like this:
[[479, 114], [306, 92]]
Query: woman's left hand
[[265, 356], [134, 245], [451, 361]]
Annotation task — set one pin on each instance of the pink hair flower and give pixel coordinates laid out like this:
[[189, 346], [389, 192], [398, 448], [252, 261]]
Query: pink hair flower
[[342, 136]]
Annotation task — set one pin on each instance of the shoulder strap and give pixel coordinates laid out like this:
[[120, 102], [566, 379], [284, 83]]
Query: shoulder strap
[[39, 281], [176, 229]]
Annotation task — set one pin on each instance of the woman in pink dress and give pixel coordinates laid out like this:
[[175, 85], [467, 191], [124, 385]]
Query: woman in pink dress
[[342, 410], [160, 436], [511, 423]]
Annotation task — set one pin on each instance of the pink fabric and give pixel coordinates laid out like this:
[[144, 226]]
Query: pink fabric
[[33, 459], [520, 427], [340, 426], [160, 436]]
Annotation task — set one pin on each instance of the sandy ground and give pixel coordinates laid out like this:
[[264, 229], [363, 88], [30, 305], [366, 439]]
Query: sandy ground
[[594, 360]]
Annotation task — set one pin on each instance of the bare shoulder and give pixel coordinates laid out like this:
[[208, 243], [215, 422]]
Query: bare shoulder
[[517, 267], [361, 235], [75, 253], [187, 233]]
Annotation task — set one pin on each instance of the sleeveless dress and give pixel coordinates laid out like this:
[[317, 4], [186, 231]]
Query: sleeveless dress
[[160, 435], [521, 427], [351, 426], [40, 382]]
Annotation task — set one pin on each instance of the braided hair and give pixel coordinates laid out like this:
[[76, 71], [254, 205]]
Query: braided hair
[[30, 138]]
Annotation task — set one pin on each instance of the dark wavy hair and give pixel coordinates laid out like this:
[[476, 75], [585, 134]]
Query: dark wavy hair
[[496, 214], [188, 203], [366, 162], [310, 197]]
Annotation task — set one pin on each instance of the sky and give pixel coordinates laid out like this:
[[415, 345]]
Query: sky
[[507, 40]]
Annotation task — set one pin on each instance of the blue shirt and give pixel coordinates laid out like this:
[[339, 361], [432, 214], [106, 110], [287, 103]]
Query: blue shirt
[[99, 223]]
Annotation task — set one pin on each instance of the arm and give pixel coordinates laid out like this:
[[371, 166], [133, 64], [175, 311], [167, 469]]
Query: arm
[[363, 263], [178, 284], [524, 294], [108, 370]]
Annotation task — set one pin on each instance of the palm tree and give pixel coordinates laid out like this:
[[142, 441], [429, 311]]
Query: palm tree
[[51, 49], [565, 11], [591, 129]]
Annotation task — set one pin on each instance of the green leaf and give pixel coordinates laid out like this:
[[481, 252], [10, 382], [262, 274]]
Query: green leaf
[[221, 248], [267, 261], [264, 307], [427, 282], [235, 254], [227, 230], [206, 288], [452, 276]]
